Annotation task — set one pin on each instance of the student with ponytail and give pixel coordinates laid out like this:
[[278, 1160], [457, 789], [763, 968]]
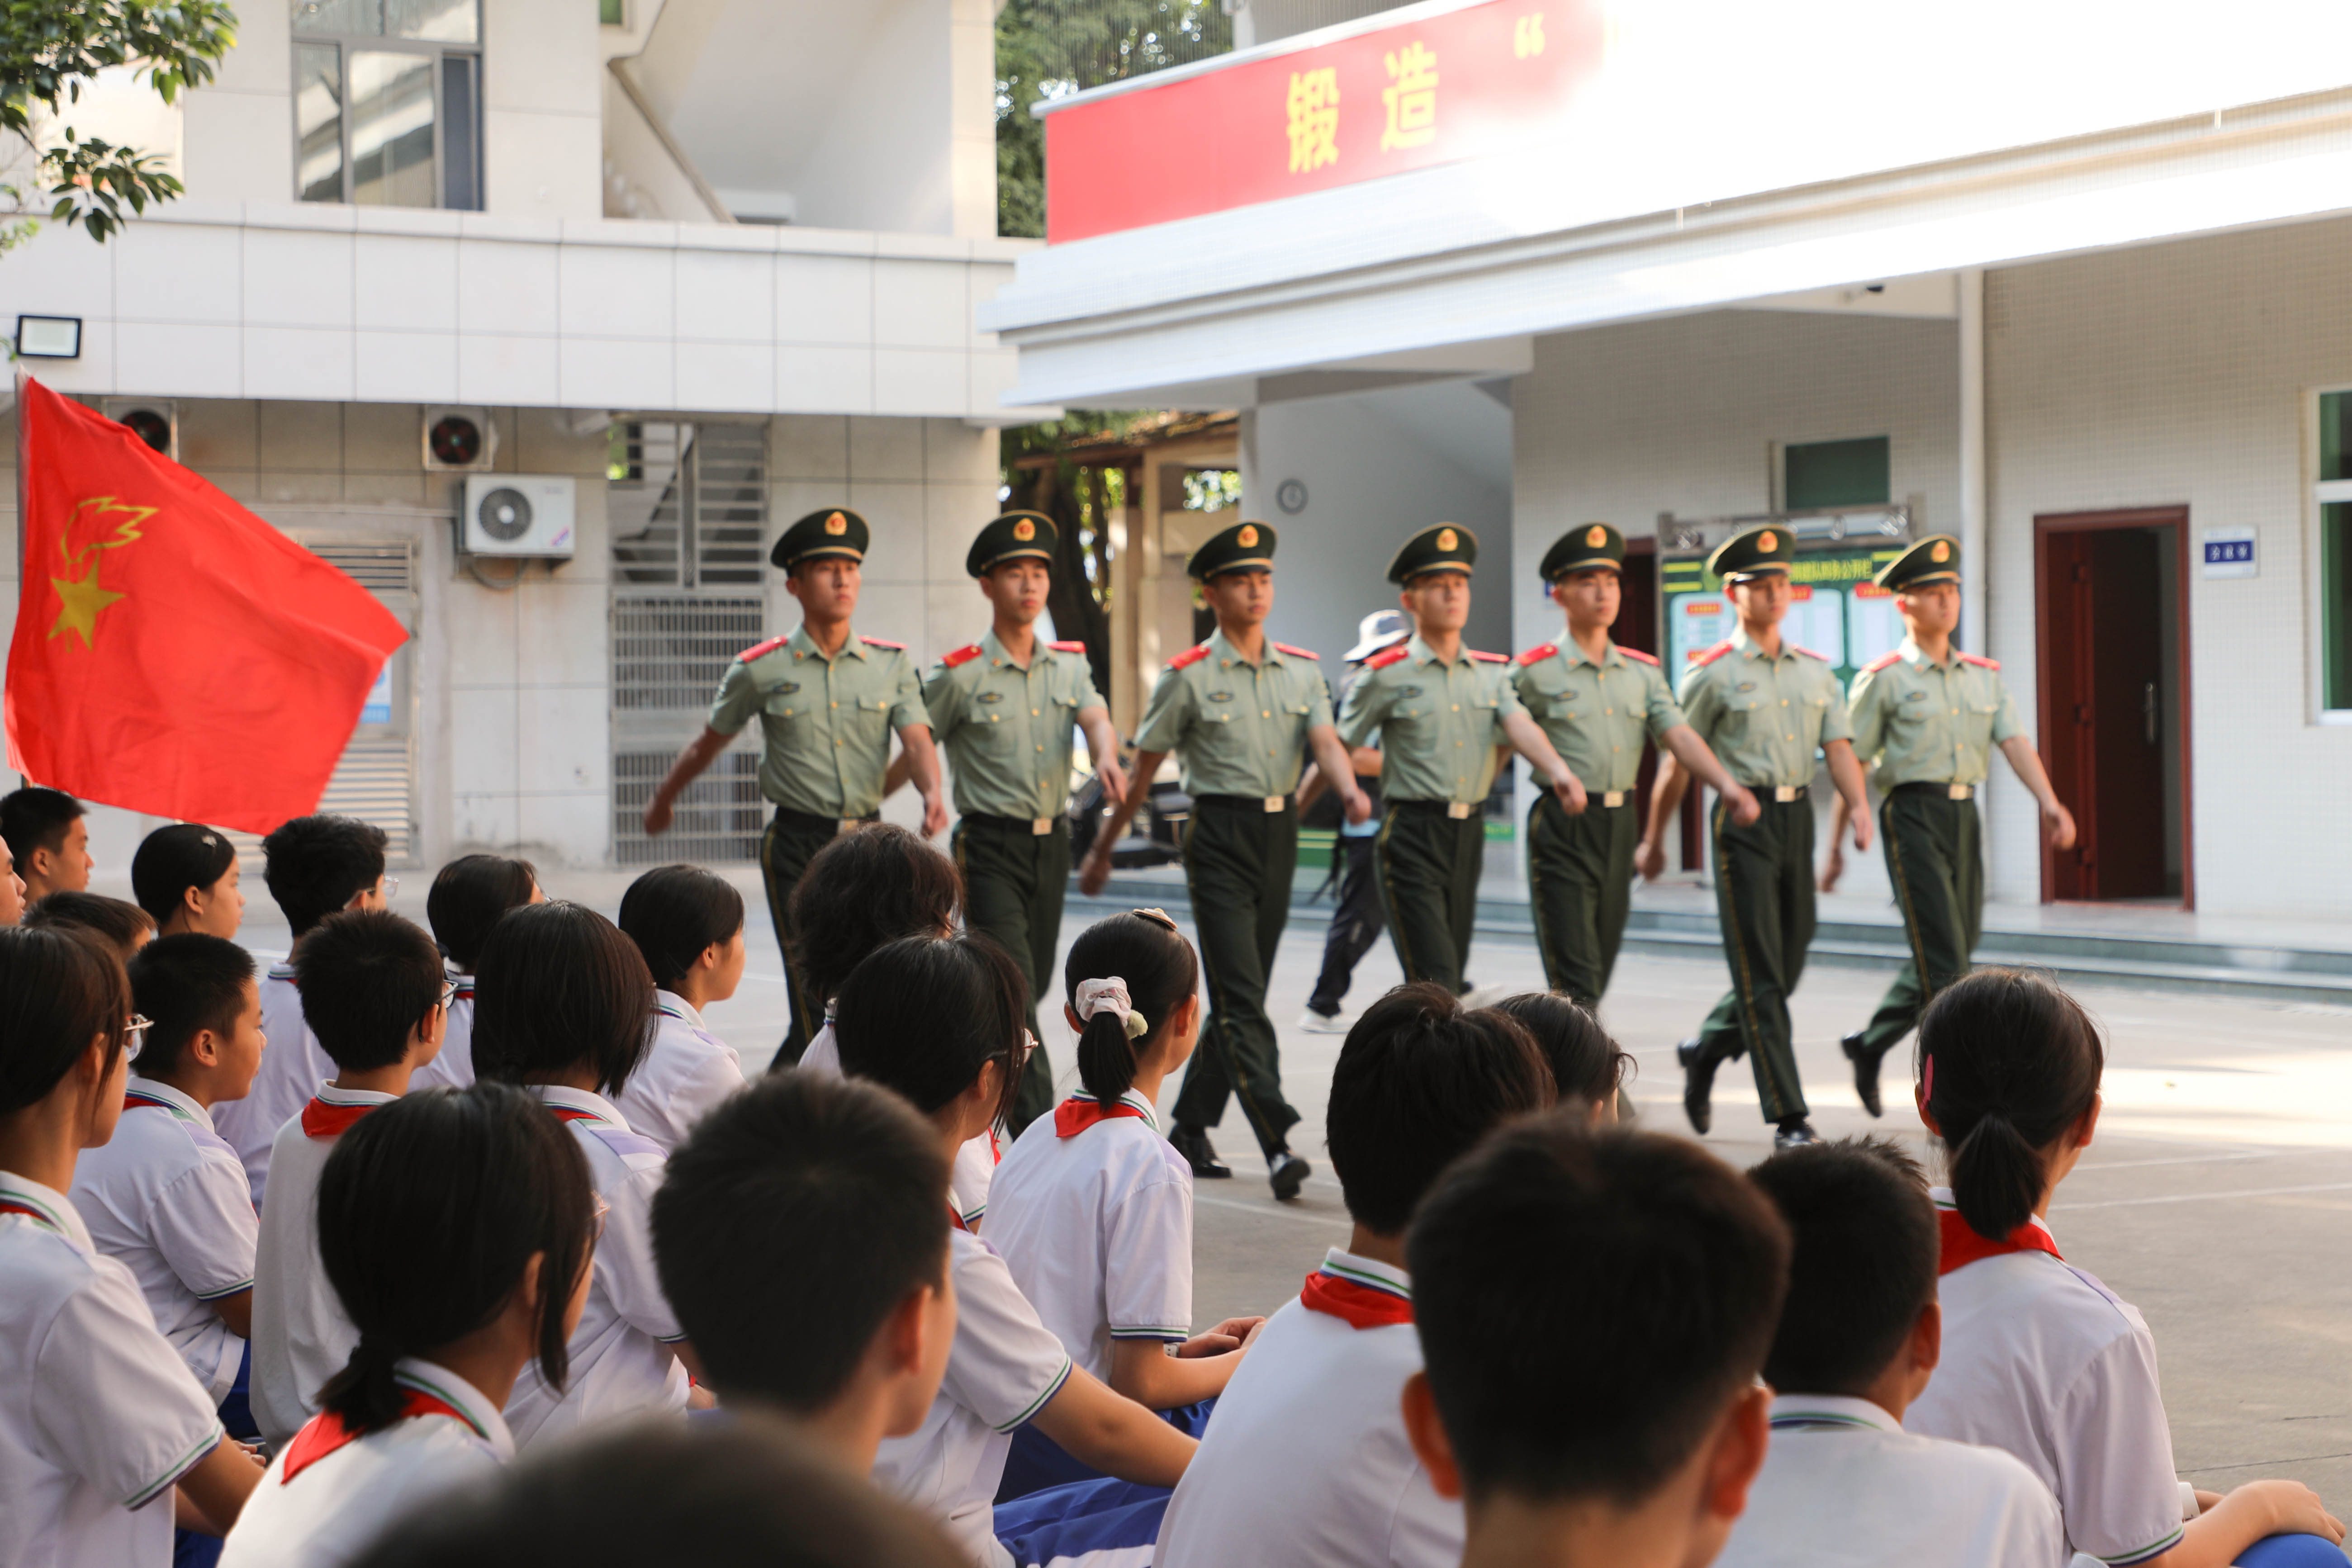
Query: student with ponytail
[[2039, 1358], [456, 1226]]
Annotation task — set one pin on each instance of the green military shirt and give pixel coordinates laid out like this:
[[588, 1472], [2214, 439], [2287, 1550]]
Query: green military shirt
[[827, 721], [1240, 727], [1916, 722], [1596, 715], [1765, 717], [1439, 723], [1006, 729]]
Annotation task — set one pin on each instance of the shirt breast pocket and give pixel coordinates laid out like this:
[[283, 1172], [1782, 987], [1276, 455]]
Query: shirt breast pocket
[[787, 712], [873, 718], [1981, 716]]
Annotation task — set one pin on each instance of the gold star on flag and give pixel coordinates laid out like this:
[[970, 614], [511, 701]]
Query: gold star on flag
[[78, 602]]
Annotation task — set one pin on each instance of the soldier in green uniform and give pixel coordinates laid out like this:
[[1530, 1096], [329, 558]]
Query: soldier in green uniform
[[1765, 706], [1245, 711], [1003, 707], [1926, 720], [1596, 701], [828, 701], [1446, 716]]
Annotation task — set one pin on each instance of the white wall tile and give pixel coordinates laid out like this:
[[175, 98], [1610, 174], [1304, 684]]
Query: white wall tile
[[180, 361], [563, 736], [808, 447], [598, 372], [884, 448], [483, 822], [921, 381], [617, 292], [726, 296], [725, 378], [921, 304], [59, 272], [404, 283], [300, 362], [177, 272], [823, 380], [484, 719], [543, 165], [571, 829], [565, 636], [504, 287], [404, 367], [500, 368], [296, 279], [825, 299], [239, 146]]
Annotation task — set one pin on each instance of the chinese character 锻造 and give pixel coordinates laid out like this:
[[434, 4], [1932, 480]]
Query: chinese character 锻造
[[1314, 119], [1410, 97]]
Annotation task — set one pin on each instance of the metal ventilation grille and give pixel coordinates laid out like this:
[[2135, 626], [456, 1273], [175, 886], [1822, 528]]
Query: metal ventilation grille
[[730, 503], [719, 817], [381, 566], [669, 651], [686, 504]]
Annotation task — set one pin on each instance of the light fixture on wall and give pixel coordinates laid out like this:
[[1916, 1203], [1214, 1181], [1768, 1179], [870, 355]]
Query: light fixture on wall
[[48, 337]]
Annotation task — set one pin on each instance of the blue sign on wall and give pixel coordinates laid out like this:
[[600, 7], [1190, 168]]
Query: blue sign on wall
[[2230, 553]]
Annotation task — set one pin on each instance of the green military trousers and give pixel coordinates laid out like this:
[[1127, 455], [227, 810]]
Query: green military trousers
[[1580, 888], [1429, 865], [1764, 900], [1014, 879], [1935, 857], [790, 843], [1238, 861]]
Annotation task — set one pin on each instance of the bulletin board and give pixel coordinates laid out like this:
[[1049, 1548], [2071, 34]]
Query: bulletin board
[[1837, 610]]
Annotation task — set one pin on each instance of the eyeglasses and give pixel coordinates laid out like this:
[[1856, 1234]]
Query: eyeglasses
[[136, 1035], [391, 887], [448, 993]]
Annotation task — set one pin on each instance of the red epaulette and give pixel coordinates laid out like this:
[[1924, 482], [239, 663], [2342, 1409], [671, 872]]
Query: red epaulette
[[1073, 645], [1809, 652], [763, 650], [1485, 658], [1881, 662], [884, 642], [1708, 656], [1299, 652], [1649, 659], [964, 654], [1980, 661], [1190, 656], [1386, 657], [1538, 655]]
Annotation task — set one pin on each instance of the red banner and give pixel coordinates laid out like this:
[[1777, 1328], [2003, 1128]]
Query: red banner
[[1461, 85]]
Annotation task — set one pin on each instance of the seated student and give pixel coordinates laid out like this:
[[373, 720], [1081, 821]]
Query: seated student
[[869, 887], [1593, 1309], [101, 1416], [563, 1009], [370, 984], [939, 1019], [314, 865], [1588, 1068], [122, 925], [802, 1235], [165, 1195], [45, 830], [689, 925], [1093, 1209], [2040, 1358], [457, 1228], [1307, 1460], [12, 888], [751, 1492], [1843, 1483], [185, 877], [467, 897]]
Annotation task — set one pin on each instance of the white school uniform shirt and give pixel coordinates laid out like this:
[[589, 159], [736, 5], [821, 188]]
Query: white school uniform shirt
[[622, 1363], [1305, 1459], [974, 1169], [301, 1336], [687, 1071], [1002, 1368], [334, 1506], [166, 1197], [2041, 1359], [293, 1066], [452, 1066], [1843, 1486], [1096, 1228], [98, 1415]]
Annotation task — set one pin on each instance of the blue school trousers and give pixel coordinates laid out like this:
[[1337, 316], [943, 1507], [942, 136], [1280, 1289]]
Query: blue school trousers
[[1037, 1461], [1089, 1524]]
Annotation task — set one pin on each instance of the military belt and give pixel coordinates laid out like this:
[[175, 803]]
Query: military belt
[[1029, 827], [1267, 804], [813, 823], [1457, 809], [1941, 791]]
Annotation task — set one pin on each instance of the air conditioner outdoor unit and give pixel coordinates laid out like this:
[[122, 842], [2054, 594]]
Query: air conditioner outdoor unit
[[154, 420], [518, 514], [460, 440]]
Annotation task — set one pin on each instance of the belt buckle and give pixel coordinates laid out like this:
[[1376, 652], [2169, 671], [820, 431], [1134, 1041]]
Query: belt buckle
[[1459, 810], [1040, 825], [844, 824], [1959, 792], [1274, 802], [1614, 797], [1783, 793]]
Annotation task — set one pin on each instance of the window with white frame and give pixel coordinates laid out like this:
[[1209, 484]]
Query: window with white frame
[[388, 103], [2333, 494]]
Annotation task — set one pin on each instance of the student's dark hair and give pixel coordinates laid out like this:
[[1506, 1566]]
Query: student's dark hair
[[1586, 1064], [558, 985], [429, 1209], [1588, 1303], [366, 978], [115, 920], [866, 888], [798, 1216], [925, 1014], [1420, 1079], [184, 984], [315, 865], [750, 1492], [1864, 1265], [171, 860], [467, 897], [1146, 951], [36, 817], [58, 988], [673, 912], [2008, 1062]]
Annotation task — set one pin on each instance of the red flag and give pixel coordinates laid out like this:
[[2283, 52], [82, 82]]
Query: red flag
[[174, 653]]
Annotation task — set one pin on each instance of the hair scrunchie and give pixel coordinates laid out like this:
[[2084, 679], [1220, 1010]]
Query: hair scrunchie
[[1109, 996]]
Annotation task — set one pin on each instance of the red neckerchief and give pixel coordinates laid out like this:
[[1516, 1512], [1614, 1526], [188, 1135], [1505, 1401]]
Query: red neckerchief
[[321, 1120], [995, 1148], [1359, 1305], [1962, 1245], [1074, 1115], [955, 1218], [572, 1113], [10, 1206], [325, 1432], [132, 1100]]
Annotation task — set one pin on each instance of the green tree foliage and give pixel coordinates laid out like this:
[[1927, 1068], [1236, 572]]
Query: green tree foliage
[[50, 50], [1048, 49]]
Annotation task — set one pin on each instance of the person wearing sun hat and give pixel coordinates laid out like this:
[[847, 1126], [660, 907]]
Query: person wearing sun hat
[[1926, 719]]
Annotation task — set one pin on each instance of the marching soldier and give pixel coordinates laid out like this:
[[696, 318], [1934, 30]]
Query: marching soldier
[[1444, 715], [828, 701], [1596, 701], [1765, 706], [1245, 711], [1926, 720], [1003, 707]]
